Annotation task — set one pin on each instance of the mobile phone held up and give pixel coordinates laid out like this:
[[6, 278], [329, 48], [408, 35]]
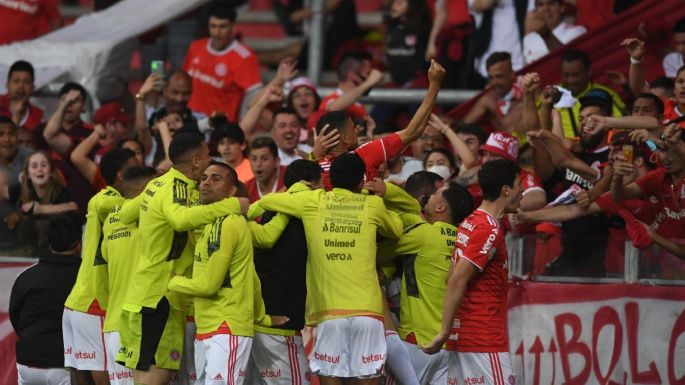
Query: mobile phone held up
[[157, 67]]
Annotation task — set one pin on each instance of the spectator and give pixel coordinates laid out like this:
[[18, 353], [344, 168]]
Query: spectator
[[285, 131], [116, 124], [25, 139], [304, 99], [266, 167], [473, 137], [136, 146], [12, 156], [231, 147], [62, 133], [37, 303], [402, 167], [225, 72], [15, 104], [497, 29], [575, 74], [26, 20], [407, 28], [662, 87], [12, 241], [674, 60], [546, 30], [431, 139], [501, 104], [441, 162], [449, 40], [356, 77]]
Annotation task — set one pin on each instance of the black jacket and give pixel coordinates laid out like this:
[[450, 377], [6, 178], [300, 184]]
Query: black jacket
[[36, 307]]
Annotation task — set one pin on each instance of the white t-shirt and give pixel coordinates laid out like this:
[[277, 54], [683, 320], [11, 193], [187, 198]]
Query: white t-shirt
[[534, 46], [505, 34], [672, 62], [287, 159]]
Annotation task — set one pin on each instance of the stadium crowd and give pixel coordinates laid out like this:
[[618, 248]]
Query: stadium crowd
[[224, 216]]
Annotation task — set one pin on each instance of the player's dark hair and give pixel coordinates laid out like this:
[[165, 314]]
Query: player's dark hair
[[224, 11], [73, 86], [114, 162], [571, 55], [64, 230], [494, 175], [265, 142], [182, 145], [421, 183], [231, 172], [336, 120], [138, 172], [497, 57], [662, 82], [470, 129], [21, 66], [301, 169], [126, 140], [459, 201], [658, 103], [347, 171]]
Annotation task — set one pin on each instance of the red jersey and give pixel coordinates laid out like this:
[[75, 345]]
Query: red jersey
[[373, 153], [671, 111], [480, 322], [24, 19], [356, 110], [669, 220], [220, 78], [253, 193], [32, 118]]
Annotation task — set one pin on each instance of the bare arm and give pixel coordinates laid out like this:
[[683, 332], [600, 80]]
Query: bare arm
[[438, 22], [350, 97], [272, 93], [636, 76], [479, 110], [619, 190], [79, 157], [468, 159], [676, 249], [40, 209], [533, 200], [60, 142], [140, 122], [165, 135], [482, 5], [530, 120], [624, 122], [560, 213], [436, 74]]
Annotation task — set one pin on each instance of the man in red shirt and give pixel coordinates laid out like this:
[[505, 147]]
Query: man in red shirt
[[27, 19], [377, 151], [355, 79], [475, 308], [266, 167], [224, 71], [15, 104]]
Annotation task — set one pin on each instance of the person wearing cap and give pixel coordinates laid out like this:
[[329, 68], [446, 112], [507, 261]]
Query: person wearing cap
[[231, 146], [502, 145], [575, 75], [501, 103], [303, 98], [584, 239], [15, 104], [547, 30], [117, 125]]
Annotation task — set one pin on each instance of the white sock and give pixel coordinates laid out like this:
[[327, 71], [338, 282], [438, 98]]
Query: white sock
[[398, 361]]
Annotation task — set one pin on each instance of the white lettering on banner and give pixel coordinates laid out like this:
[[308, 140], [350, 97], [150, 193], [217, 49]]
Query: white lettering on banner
[[608, 341]]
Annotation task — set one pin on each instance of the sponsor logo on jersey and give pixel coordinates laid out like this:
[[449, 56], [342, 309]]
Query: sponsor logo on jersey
[[487, 246], [462, 239], [467, 226]]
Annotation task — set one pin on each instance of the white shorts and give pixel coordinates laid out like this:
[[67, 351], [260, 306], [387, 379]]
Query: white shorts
[[480, 368], [187, 374], [351, 347], [118, 374], [84, 342], [277, 360], [28, 375], [431, 369], [222, 359]]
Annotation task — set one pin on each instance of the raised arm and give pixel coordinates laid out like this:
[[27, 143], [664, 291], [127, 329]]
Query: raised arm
[[636, 76], [619, 190], [57, 140], [563, 158], [271, 94], [350, 97], [79, 157], [467, 158], [436, 74], [441, 9], [624, 122], [147, 90], [530, 120]]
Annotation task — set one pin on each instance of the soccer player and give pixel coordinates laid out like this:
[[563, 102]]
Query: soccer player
[[153, 319], [378, 151], [224, 70], [425, 251], [343, 295], [118, 239], [278, 356], [222, 285], [85, 307], [474, 312]]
